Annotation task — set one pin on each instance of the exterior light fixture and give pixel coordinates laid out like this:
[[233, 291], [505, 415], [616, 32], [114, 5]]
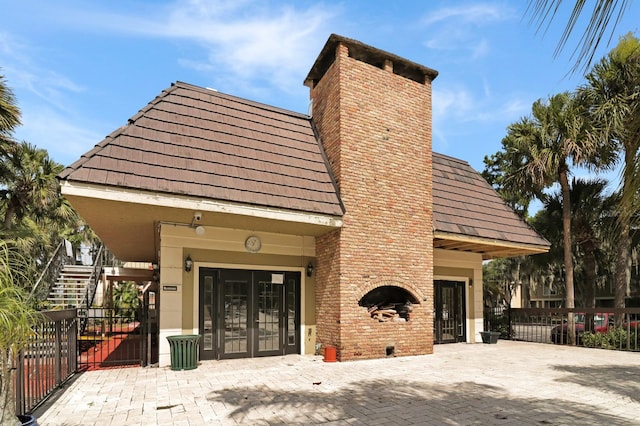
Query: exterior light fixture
[[188, 264], [470, 283], [310, 269]]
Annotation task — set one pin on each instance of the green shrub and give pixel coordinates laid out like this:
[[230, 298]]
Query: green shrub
[[614, 338], [500, 323]]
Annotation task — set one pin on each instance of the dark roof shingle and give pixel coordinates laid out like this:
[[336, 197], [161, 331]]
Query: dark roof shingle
[[465, 204], [202, 143]]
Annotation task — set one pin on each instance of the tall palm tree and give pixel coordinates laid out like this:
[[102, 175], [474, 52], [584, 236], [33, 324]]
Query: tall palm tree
[[590, 209], [9, 111], [550, 140], [9, 120], [29, 186], [613, 96]]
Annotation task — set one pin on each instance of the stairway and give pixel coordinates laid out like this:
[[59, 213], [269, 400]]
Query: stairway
[[70, 289]]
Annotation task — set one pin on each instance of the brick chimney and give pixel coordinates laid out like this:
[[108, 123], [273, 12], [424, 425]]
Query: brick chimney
[[372, 111]]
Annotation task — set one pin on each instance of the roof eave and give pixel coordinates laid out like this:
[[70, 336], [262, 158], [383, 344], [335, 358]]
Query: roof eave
[[488, 248], [111, 193]]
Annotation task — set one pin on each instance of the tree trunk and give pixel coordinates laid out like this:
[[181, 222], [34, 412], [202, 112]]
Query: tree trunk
[[623, 268], [7, 391], [568, 256], [8, 216], [623, 259], [590, 274]]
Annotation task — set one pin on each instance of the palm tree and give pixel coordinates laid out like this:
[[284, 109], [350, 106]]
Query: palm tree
[[33, 213], [501, 167], [548, 141], [9, 112], [602, 11], [613, 96], [29, 186], [590, 210]]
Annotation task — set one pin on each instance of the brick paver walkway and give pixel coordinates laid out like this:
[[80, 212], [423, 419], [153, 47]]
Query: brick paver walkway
[[461, 384]]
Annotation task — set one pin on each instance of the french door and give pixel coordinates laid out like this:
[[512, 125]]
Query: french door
[[246, 314], [450, 314]]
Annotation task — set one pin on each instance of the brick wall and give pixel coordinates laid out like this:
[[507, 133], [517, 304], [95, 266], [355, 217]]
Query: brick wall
[[376, 130]]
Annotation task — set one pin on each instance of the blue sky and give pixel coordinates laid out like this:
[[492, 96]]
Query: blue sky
[[80, 69]]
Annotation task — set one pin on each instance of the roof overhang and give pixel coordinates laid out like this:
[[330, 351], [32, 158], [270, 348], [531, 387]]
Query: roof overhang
[[126, 220], [488, 248], [115, 273]]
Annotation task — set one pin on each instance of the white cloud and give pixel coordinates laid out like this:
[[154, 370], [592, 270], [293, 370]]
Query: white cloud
[[462, 117], [239, 42], [476, 14], [20, 65], [451, 103], [274, 42], [516, 108], [64, 141], [457, 29]]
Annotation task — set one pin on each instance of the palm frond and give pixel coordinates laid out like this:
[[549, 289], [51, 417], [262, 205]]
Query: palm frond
[[604, 15]]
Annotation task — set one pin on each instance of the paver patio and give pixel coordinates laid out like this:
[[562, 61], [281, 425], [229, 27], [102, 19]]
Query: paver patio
[[460, 384]]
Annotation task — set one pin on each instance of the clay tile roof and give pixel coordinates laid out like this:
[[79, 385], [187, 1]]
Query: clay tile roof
[[201, 143], [464, 204]]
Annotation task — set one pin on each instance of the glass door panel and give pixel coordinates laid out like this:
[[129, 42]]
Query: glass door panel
[[449, 312], [208, 316], [292, 313], [248, 313], [268, 320], [236, 316]]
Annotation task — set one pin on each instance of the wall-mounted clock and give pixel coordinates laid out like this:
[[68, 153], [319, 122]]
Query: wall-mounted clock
[[253, 244]]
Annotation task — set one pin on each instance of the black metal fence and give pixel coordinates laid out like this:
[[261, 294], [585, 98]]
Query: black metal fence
[[48, 361], [606, 328], [111, 338]]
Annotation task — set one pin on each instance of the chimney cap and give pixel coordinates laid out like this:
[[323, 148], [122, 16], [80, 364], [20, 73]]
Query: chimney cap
[[370, 55]]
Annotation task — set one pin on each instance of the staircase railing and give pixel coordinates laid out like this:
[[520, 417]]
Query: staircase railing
[[51, 270], [90, 293]]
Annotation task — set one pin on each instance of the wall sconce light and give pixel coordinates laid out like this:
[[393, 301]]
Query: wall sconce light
[[310, 269], [188, 264], [470, 283]]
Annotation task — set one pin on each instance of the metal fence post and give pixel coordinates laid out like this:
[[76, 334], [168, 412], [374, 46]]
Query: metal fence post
[[72, 345], [19, 383], [58, 350], [509, 321]]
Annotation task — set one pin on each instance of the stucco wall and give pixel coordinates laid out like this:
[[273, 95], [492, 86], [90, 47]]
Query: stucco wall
[[449, 265], [224, 248]]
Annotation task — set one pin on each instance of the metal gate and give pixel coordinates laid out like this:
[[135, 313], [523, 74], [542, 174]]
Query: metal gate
[[123, 333]]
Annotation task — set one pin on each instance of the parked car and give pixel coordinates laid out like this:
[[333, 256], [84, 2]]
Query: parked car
[[602, 322]]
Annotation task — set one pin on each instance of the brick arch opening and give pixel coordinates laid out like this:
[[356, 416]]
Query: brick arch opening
[[389, 303]]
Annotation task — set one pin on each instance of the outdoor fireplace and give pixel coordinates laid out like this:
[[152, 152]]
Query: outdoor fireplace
[[374, 277], [388, 303]]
